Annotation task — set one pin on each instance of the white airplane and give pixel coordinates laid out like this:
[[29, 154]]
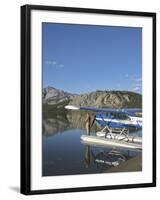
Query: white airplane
[[114, 118], [116, 124]]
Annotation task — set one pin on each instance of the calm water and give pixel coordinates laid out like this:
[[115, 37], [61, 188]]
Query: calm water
[[64, 154]]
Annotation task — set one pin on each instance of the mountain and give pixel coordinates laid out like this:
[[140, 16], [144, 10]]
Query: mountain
[[109, 99], [54, 96]]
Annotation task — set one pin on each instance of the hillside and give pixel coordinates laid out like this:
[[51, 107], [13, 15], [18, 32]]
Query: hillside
[[57, 99], [54, 96], [109, 99]]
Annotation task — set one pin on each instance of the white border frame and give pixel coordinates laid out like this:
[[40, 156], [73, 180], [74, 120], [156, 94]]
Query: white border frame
[[58, 182]]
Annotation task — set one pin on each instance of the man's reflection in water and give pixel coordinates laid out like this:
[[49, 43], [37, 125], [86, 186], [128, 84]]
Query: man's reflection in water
[[88, 124], [87, 159]]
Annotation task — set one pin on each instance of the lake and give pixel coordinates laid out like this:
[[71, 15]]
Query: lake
[[63, 153]]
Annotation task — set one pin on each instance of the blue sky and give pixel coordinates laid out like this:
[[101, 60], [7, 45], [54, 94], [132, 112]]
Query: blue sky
[[85, 58]]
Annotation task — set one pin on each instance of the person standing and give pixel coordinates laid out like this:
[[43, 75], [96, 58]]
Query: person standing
[[88, 123]]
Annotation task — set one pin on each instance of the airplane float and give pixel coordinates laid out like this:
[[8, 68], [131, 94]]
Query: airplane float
[[116, 124]]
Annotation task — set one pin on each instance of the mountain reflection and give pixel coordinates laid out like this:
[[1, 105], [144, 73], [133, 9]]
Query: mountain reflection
[[57, 123], [54, 126]]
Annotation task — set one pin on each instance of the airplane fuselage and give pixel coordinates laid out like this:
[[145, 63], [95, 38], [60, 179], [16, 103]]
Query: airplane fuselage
[[128, 122]]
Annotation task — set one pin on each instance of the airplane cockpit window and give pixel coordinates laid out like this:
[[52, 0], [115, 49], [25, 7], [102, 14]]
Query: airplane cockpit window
[[117, 115]]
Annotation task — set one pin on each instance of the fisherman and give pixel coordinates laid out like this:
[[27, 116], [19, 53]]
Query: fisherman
[[88, 123]]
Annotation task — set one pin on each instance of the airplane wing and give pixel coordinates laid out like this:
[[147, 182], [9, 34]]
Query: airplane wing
[[132, 111], [125, 110], [72, 107]]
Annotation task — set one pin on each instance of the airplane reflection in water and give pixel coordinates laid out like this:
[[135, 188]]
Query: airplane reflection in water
[[105, 158]]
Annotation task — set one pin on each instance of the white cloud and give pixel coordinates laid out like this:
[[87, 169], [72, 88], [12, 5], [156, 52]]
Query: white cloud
[[138, 79], [136, 88], [50, 62], [61, 66], [54, 63], [136, 84]]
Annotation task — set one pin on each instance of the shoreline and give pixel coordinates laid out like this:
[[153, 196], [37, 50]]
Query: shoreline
[[131, 165]]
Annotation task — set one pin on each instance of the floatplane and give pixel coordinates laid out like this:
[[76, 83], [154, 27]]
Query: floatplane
[[116, 124]]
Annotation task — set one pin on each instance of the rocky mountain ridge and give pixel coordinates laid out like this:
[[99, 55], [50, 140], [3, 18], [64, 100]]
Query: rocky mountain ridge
[[52, 96], [105, 99], [109, 99]]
